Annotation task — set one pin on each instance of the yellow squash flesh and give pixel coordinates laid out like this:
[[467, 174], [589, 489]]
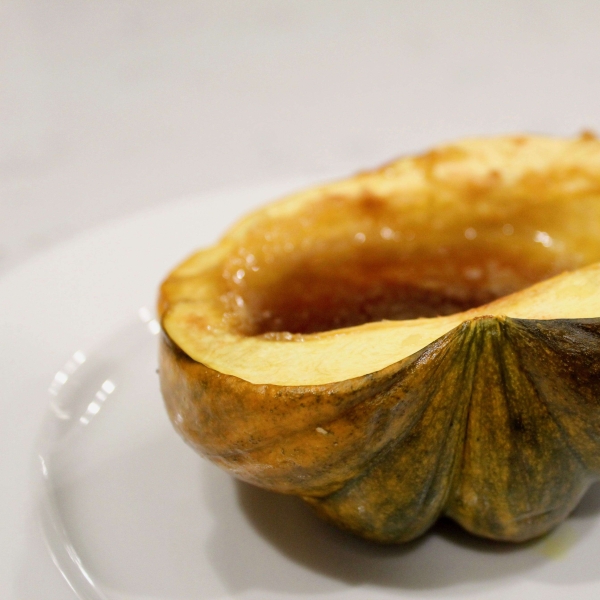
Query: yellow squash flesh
[[414, 341]]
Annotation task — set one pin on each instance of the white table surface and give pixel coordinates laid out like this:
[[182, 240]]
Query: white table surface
[[110, 107]]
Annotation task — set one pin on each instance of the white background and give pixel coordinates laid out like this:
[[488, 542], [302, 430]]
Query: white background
[[108, 107]]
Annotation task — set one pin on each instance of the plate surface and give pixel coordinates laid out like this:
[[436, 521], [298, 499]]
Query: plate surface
[[131, 513]]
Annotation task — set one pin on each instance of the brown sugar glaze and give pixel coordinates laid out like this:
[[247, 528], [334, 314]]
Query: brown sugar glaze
[[345, 265]]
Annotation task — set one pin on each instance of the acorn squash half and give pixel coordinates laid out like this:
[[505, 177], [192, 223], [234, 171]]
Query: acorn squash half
[[416, 341]]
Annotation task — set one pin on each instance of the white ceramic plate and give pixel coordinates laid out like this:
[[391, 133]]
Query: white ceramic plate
[[129, 512]]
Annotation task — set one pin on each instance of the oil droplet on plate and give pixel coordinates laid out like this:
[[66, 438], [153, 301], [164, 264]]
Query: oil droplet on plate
[[557, 544]]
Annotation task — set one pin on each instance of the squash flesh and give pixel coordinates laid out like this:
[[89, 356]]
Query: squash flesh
[[532, 205], [348, 353]]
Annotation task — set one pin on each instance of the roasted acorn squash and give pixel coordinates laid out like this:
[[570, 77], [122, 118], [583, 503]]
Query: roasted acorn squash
[[416, 341]]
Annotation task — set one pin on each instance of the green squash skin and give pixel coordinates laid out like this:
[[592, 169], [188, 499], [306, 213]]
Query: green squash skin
[[496, 425]]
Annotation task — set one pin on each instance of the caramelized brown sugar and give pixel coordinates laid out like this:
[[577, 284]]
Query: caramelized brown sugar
[[343, 264]]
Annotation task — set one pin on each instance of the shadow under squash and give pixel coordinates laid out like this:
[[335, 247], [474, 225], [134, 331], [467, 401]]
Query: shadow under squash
[[446, 556]]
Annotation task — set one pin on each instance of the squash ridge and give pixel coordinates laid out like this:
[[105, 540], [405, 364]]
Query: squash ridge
[[380, 482], [547, 334], [520, 477]]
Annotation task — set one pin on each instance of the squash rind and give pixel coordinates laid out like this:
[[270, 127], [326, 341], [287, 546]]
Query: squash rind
[[467, 427]]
